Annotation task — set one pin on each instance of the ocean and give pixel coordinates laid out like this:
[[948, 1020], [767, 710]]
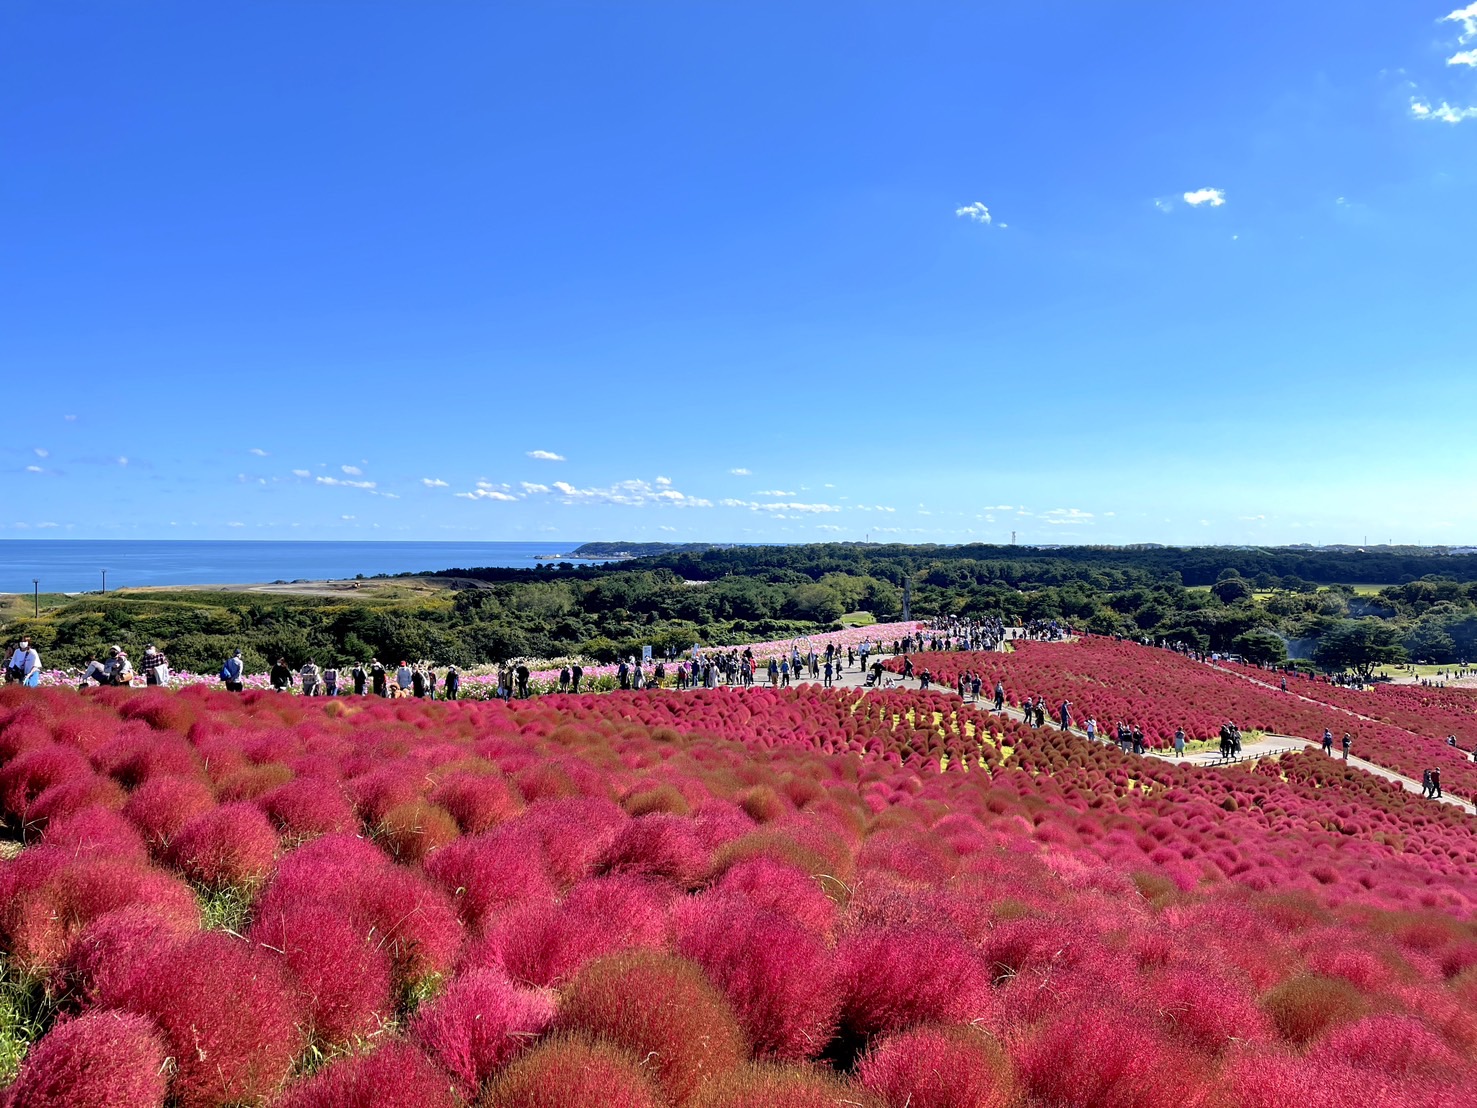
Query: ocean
[[77, 565]]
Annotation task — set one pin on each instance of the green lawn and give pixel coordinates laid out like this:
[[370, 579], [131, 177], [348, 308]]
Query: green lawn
[[858, 619]]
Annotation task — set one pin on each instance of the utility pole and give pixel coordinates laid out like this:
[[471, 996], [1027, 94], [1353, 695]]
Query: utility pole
[[907, 599], [1012, 538], [105, 580], [36, 595]]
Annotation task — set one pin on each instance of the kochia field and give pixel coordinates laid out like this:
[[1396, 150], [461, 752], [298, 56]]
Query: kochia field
[[718, 898]]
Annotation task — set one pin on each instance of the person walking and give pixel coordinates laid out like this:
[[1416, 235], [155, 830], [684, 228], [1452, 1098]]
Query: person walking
[[308, 678], [1347, 742], [1328, 742], [330, 680], [1436, 783], [231, 673], [576, 675], [999, 696], [404, 677], [1426, 789], [280, 676], [521, 675], [453, 682], [379, 678], [417, 683], [359, 677], [1179, 742], [1064, 713]]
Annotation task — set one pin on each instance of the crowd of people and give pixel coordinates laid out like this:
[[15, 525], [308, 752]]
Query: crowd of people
[[373, 678]]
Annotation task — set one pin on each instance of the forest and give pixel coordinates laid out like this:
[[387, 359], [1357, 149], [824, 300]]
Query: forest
[[1338, 609]]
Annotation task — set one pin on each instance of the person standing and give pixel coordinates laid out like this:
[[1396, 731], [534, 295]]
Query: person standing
[[999, 696], [404, 677], [576, 675], [521, 674], [24, 667], [330, 680], [1179, 742], [564, 679], [1064, 713], [281, 676], [417, 683], [431, 682], [359, 677], [453, 682], [1347, 743], [1328, 742], [155, 666], [231, 673], [379, 678], [308, 675]]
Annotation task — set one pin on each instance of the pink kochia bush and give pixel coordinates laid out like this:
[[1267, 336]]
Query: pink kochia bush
[[101, 1060], [226, 1014], [479, 1024], [785, 898], [397, 1075]]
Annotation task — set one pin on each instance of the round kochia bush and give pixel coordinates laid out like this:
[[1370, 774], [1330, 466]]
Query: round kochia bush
[[231, 845], [658, 1007], [573, 1071], [396, 1075], [480, 1023], [100, 1060], [939, 1067]]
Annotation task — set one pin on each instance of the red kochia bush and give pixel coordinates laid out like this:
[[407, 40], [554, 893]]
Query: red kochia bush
[[162, 805], [339, 973], [1400, 1046], [397, 1075], [658, 845], [777, 976], [894, 977], [490, 872], [573, 1071], [114, 948], [477, 801], [939, 1067], [1102, 1056], [782, 888], [100, 831], [48, 896], [307, 806], [660, 1007], [543, 943], [30, 773], [770, 1086], [226, 1015], [411, 830], [100, 1060], [230, 845], [479, 1024]]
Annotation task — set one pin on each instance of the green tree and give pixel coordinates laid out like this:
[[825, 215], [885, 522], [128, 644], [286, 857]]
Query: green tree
[[1359, 645], [1261, 647]]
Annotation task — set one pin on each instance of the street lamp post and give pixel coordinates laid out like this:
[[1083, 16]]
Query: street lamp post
[[36, 595], [105, 580]]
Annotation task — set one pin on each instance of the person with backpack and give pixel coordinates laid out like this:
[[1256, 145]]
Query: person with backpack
[[1328, 742], [308, 675], [231, 673]]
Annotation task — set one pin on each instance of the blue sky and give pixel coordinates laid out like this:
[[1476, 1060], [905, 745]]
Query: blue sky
[[1086, 272]]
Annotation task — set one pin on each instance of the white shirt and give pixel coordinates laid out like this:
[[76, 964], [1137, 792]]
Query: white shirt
[[27, 661]]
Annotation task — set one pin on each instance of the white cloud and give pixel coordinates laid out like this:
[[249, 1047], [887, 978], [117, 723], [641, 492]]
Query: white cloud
[[34, 469], [339, 483], [829, 527], [1467, 17], [42, 452], [664, 527], [779, 506], [976, 213], [483, 493], [235, 523], [433, 483], [46, 523], [663, 480], [1465, 57], [1421, 109], [1214, 197], [122, 459], [258, 451], [302, 473], [531, 487], [346, 517], [352, 471], [546, 456], [1164, 203], [739, 472], [1067, 517], [773, 492], [633, 493], [390, 495]]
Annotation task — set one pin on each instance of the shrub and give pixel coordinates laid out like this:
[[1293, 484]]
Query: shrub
[[71, 796], [110, 951], [411, 830], [340, 975], [1400, 1046], [99, 831], [308, 806], [771, 1086], [574, 832], [1305, 1006], [785, 889], [939, 1067], [893, 977], [777, 975], [488, 873], [397, 1075], [573, 1071], [660, 1007], [47, 898], [162, 805], [477, 801], [100, 1060], [133, 757], [30, 773], [226, 1016], [231, 845], [658, 845], [479, 1024]]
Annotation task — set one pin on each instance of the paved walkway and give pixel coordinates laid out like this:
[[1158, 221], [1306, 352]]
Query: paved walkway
[[1265, 747]]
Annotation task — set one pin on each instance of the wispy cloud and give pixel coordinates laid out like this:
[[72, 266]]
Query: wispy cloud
[[1068, 517], [1214, 197], [779, 506], [352, 471], [302, 473], [483, 492], [532, 487], [433, 483], [773, 492], [630, 493], [1467, 17], [739, 472], [977, 213], [34, 469], [337, 482], [41, 452], [1444, 112], [546, 456], [258, 451]]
